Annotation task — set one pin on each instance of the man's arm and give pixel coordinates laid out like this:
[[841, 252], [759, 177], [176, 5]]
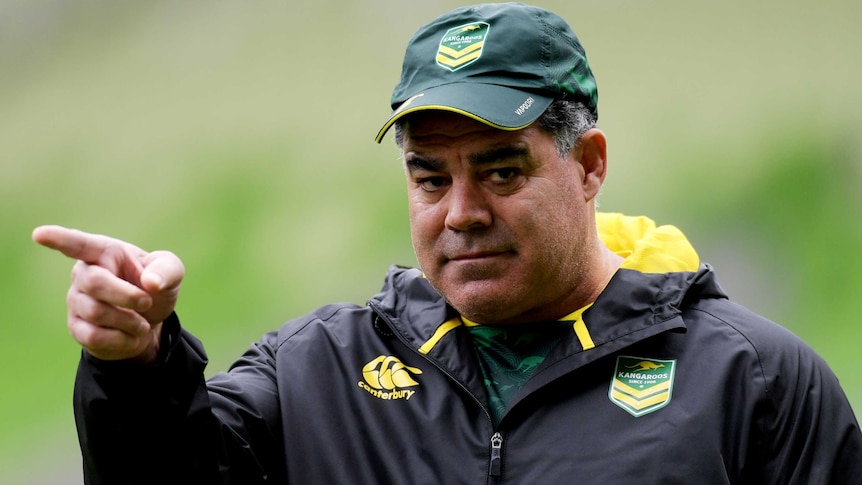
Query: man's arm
[[810, 432], [143, 424], [142, 408], [161, 423]]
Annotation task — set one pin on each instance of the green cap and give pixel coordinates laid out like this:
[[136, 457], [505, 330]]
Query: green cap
[[498, 63]]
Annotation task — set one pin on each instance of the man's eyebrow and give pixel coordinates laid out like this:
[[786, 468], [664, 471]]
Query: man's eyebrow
[[414, 162], [498, 154]]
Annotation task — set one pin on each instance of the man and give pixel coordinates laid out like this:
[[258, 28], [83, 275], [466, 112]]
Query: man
[[541, 342]]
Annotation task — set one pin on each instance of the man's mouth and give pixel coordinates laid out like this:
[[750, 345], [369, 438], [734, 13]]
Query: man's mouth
[[477, 255]]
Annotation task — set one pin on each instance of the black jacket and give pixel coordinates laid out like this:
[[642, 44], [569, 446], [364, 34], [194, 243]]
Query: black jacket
[[663, 381]]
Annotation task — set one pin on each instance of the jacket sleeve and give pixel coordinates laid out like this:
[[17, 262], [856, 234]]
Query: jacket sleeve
[[810, 431], [164, 424]]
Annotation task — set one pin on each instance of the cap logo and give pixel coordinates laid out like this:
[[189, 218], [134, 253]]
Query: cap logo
[[462, 45], [407, 103]]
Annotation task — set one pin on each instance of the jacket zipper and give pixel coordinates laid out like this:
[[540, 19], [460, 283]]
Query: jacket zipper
[[496, 455], [496, 461]]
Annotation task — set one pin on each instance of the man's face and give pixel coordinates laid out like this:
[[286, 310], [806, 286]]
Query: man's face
[[500, 222]]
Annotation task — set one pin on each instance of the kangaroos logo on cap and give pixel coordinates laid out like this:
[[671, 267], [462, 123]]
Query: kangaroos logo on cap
[[641, 385], [462, 45], [388, 378]]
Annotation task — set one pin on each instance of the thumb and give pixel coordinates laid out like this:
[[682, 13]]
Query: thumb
[[161, 276], [163, 271]]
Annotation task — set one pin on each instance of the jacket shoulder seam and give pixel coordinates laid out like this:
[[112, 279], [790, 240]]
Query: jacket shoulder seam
[[744, 336], [323, 314]]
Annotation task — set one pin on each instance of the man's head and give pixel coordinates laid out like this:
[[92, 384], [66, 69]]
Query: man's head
[[495, 115]]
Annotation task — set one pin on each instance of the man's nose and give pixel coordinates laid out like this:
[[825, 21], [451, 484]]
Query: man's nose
[[467, 207]]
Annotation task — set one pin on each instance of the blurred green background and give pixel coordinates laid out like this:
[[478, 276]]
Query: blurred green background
[[240, 136]]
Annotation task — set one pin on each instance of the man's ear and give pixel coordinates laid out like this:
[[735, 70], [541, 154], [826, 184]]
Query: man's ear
[[592, 153]]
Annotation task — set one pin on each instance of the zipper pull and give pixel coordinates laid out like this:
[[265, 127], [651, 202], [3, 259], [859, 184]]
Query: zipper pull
[[496, 454]]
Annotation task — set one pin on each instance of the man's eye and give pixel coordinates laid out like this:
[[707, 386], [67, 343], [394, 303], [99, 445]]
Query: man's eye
[[502, 176], [431, 184]]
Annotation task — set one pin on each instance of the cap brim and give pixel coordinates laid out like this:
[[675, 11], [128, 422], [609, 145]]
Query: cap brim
[[497, 106]]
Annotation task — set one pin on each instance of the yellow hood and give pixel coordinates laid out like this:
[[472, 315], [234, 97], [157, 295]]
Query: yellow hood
[[647, 248]]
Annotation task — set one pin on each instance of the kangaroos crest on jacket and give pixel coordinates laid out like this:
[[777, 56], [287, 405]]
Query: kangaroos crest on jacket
[[641, 386]]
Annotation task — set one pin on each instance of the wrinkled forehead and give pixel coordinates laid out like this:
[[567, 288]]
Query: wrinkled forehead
[[441, 136]]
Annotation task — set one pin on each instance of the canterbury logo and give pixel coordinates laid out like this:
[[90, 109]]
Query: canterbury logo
[[387, 377], [462, 45]]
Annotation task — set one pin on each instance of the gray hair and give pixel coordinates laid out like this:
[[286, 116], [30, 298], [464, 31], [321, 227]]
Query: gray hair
[[565, 120]]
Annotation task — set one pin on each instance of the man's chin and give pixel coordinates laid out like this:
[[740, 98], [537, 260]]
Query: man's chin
[[479, 270], [480, 300]]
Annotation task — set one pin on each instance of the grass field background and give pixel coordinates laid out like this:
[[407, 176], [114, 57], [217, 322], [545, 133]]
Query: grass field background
[[240, 136]]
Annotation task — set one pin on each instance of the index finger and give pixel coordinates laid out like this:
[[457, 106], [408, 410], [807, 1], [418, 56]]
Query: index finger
[[72, 242]]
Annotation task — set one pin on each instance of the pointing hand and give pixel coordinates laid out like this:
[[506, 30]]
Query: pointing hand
[[120, 294]]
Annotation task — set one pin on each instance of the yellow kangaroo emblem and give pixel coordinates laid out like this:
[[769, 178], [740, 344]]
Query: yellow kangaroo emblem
[[644, 365]]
